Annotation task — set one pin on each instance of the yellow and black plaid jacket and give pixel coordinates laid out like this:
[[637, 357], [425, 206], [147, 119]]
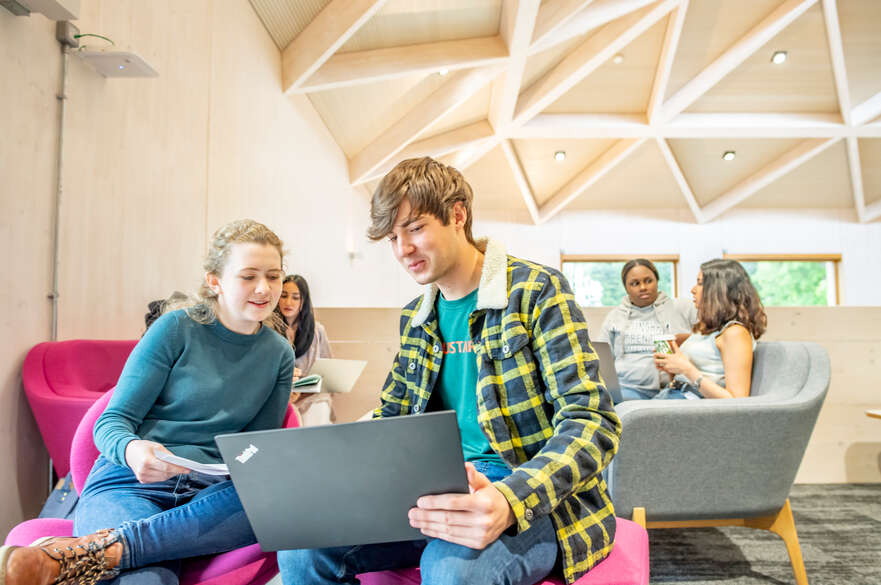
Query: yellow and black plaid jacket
[[541, 402]]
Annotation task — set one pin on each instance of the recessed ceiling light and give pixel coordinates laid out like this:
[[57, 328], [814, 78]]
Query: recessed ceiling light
[[443, 71], [618, 59], [560, 155], [729, 155], [779, 57]]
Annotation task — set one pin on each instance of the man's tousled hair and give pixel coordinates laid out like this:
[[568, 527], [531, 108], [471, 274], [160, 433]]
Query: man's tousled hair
[[430, 187]]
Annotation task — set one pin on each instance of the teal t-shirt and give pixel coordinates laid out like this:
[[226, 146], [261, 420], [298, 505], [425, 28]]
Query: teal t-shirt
[[457, 385]]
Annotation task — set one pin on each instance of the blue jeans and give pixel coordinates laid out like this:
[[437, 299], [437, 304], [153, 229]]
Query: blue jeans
[[681, 393], [630, 393], [184, 516], [521, 559]]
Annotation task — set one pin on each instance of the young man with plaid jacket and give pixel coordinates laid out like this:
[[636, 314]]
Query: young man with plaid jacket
[[502, 342]]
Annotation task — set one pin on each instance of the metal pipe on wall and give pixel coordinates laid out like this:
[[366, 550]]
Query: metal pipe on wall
[[59, 189]]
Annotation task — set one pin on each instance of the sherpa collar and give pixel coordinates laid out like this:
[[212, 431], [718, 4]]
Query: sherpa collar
[[492, 292]]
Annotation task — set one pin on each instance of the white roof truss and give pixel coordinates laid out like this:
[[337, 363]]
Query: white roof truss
[[313, 62]]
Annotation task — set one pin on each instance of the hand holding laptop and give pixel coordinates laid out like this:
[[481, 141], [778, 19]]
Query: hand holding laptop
[[474, 520]]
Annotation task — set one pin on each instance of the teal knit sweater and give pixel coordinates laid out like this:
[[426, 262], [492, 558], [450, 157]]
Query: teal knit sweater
[[185, 383]]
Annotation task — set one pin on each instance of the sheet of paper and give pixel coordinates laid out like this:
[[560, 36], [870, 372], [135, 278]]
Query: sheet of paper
[[206, 468]]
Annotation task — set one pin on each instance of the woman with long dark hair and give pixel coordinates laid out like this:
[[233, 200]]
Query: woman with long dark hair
[[309, 340], [716, 360]]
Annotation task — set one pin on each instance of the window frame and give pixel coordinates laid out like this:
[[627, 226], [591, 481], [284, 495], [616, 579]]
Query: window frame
[[674, 258], [834, 258]]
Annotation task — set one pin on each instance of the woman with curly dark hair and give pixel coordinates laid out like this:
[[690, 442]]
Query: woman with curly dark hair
[[716, 360]]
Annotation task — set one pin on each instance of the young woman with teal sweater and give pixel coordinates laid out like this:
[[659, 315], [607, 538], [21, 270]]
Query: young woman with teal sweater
[[209, 369]]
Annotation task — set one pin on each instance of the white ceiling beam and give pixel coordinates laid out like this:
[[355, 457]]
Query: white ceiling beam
[[358, 67], [458, 89], [516, 26], [763, 32], [593, 16], [436, 146], [665, 63], [836, 54], [873, 211], [553, 15], [588, 177], [520, 179], [867, 111], [585, 59], [757, 125], [692, 126], [856, 177], [684, 187], [327, 32], [766, 175], [464, 158]]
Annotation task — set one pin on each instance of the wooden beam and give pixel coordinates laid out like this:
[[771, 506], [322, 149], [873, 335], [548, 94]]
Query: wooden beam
[[327, 32], [763, 32], [359, 67], [595, 51], [437, 146], [691, 126], [856, 177], [687, 193], [553, 15], [590, 175], [516, 25], [766, 175], [836, 54], [593, 16], [665, 63], [520, 179], [867, 111], [458, 89]]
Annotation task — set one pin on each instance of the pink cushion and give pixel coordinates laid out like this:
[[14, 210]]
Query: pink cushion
[[61, 380], [627, 564], [244, 566], [27, 532], [85, 367]]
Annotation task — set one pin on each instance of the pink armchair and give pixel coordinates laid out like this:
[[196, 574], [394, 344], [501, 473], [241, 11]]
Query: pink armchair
[[628, 563], [61, 381], [244, 566]]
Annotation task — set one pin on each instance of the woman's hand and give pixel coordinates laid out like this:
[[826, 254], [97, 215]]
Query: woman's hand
[[146, 466], [676, 363], [298, 373], [294, 397]]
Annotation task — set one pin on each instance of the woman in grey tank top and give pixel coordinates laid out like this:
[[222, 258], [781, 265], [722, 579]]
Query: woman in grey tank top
[[716, 360]]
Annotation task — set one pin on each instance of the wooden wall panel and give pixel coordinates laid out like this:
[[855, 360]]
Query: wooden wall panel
[[845, 446], [133, 214], [28, 122]]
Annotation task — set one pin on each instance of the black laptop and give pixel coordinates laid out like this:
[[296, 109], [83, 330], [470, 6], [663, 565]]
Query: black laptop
[[346, 484]]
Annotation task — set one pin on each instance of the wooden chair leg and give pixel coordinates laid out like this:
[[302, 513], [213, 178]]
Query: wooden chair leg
[[783, 524], [639, 516]]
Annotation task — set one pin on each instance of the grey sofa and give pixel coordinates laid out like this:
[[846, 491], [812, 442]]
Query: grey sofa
[[724, 462]]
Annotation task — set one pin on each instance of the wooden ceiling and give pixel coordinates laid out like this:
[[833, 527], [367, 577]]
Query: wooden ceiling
[[643, 96]]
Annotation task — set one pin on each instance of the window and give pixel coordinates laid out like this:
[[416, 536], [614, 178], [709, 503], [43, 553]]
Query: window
[[596, 280], [793, 280]]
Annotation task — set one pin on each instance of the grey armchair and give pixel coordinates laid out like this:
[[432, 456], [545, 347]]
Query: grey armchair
[[724, 462]]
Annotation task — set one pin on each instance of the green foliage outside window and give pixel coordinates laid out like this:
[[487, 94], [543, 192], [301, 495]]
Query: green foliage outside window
[[790, 283], [598, 284]]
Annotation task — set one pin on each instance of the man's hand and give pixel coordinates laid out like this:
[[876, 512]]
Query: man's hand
[[474, 520], [146, 467]]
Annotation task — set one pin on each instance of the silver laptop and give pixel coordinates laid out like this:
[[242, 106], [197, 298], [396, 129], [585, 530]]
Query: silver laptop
[[607, 369], [346, 484]]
